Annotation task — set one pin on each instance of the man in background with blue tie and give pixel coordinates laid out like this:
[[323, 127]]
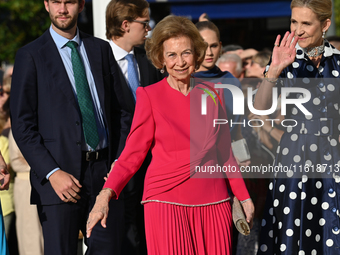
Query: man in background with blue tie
[[66, 122], [127, 25]]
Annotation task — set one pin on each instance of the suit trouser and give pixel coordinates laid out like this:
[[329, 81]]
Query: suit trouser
[[61, 223]]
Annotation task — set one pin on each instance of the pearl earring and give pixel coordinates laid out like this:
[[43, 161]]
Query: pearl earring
[[162, 70]]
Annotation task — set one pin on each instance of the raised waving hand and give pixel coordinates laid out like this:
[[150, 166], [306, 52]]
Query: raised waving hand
[[283, 53]]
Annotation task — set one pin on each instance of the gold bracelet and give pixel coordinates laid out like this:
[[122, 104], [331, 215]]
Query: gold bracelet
[[271, 80]]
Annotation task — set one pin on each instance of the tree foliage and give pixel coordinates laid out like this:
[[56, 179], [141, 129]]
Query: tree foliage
[[336, 13], [21, 22]]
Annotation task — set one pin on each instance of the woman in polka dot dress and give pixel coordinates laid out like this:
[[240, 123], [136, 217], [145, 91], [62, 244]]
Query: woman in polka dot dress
[[302, 209]]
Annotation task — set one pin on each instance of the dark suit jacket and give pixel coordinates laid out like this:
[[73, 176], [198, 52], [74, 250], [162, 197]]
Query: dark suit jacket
[[148, 75], [45, 115]]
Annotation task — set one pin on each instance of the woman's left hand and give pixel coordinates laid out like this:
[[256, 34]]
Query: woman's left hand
[[249, 209], [99, 211]]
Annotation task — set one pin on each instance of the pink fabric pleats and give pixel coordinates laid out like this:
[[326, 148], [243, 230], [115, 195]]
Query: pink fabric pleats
[[181, 230]]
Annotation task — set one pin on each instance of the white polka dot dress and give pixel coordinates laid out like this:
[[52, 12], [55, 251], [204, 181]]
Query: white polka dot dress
[[302, 213]]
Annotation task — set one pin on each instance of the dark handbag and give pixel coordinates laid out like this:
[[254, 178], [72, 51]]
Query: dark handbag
[[239, 217]]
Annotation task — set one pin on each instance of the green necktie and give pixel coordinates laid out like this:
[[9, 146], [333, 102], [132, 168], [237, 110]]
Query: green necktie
[[84, 97]]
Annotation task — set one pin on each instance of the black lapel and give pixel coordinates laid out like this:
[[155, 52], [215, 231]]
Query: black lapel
[[127, 95]]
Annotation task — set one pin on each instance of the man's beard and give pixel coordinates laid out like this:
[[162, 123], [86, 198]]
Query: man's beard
[[64, 26]]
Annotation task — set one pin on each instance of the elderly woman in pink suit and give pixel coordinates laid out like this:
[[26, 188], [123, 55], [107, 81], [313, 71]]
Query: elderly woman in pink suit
[[186, 211]]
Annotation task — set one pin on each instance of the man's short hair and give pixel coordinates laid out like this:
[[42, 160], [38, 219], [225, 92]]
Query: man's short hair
[[119, 10]]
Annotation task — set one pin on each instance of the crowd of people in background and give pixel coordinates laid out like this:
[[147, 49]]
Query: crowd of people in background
[[27, 226]]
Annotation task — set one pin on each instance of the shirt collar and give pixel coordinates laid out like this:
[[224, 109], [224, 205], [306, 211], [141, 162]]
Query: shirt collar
[[60, 41], [118, 52], [329, 50]]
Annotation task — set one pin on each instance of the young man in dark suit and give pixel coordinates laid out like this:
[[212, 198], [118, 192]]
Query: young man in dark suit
[[65, 122], [127, 25]]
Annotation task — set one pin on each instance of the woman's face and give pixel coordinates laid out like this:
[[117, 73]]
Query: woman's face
[[178, 54], [213, 50], [307, 27], [4, 95], [255, 69]]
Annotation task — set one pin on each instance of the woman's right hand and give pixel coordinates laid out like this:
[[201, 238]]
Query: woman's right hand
[[283, 54], [99, 211], [249, 211]]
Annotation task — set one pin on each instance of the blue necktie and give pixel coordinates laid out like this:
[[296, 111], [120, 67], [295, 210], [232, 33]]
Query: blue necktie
[[84, 97], [132, 74]]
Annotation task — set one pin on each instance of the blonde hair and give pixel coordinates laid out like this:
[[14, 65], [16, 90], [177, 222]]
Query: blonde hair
[[171, 27], [262, 57], [322, 8]]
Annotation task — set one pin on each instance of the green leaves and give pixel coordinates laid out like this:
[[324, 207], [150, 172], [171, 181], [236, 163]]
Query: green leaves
[[20, 23]]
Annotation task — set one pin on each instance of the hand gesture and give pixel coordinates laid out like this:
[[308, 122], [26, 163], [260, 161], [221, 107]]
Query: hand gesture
[[65, 185], [284, 52], [249, 209], [99, 211], [4, 174]]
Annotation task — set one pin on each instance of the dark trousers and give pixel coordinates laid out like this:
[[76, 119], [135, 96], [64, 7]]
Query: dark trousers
[[61, 223], [134, 242]]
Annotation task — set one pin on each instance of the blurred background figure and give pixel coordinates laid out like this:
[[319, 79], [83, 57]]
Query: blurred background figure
[[203, 17], [28, 228], [232, 48], [7, 199], [1, 75], [258, 64], [5, 178], [232, 63], [335, 41], [5, 88], [246, 55]]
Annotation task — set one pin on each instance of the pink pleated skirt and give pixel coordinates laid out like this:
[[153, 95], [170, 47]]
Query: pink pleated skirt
[[181, 230]]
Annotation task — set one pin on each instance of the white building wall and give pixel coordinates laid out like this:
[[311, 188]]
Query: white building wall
[[99, 26]]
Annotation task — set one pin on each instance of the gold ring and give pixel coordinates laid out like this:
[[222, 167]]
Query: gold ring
[[276, 45]]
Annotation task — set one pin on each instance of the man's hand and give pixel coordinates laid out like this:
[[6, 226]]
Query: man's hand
[[66, 186]]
